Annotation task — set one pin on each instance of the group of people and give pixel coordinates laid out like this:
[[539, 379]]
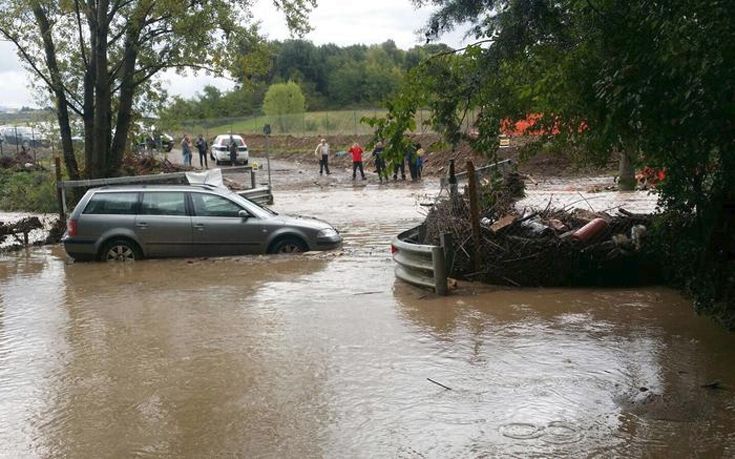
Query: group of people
[[414, 157], [201, 145]]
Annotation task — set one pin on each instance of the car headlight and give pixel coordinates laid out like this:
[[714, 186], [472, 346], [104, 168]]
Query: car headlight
[[327, 233]]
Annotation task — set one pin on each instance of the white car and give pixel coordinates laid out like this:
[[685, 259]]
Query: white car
[[220, 150]]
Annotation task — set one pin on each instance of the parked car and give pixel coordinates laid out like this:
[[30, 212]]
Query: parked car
[[150, 142], [220, 150], [132, 222], [23, 136]]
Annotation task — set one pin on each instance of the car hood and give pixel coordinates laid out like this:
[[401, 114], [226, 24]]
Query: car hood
[[302, 221]]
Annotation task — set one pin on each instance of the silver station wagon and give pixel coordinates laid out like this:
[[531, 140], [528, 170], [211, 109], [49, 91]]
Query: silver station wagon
[[132, 222]]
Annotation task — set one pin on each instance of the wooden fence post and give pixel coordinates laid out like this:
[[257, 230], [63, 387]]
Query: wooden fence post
[[474, 215], [59, 191]]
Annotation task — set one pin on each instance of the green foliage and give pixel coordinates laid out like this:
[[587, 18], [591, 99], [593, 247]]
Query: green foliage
[[393, 128], [27, 191], [281, 100], [331, 77]]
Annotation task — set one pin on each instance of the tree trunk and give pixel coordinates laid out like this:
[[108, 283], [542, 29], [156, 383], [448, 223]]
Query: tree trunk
[[88, 113], [62, 109], [626, 172], [101, 128], [125, 109]]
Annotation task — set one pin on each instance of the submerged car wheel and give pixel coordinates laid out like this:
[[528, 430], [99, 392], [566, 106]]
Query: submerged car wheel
[[120, 250], [289, 245]]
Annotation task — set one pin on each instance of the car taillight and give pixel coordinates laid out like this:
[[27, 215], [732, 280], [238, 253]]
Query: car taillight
[[393, 249], [71, 227]]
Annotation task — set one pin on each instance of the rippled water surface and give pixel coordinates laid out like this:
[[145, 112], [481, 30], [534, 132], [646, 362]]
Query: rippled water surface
[[326, 355]]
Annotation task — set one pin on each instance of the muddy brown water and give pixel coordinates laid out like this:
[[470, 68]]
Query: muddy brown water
[[326, 355]]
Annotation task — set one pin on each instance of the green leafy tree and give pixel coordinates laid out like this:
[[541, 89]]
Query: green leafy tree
[[282, 100], [97, 58]]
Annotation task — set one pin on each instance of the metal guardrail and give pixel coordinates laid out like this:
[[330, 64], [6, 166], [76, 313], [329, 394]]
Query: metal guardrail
[[501, 166], [262, 195], [421, 265], [259, 195]]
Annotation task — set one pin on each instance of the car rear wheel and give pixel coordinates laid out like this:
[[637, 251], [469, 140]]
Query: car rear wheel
[[289, 245], [120, 250]]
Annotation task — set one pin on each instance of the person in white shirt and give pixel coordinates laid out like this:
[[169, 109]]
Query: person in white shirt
[[322, 154]]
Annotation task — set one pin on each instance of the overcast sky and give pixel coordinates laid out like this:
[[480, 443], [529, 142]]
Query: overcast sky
[[334, 21]]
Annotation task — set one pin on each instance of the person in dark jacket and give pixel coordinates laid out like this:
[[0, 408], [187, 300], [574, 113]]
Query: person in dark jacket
[[380, 162], [411, 160], [233, 151], [202, 147], [399, 166]]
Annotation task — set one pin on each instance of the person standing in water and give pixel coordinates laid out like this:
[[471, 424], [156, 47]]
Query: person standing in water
[[356, 152], [380, 162]]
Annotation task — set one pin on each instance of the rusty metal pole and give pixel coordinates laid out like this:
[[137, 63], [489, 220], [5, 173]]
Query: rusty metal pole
[[452, 180], [474, 215], [59, 191]]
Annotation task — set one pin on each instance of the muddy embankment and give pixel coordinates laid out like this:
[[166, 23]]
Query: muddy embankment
[[301, 149]]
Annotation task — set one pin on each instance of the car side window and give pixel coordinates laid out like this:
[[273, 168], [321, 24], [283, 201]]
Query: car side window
[[163, 203], [112, 203], [209, 205]]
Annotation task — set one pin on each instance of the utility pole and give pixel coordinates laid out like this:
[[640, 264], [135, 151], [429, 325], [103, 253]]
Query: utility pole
[[267, 133]]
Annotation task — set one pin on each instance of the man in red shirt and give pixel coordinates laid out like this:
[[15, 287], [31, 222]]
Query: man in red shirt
[[356, 152]]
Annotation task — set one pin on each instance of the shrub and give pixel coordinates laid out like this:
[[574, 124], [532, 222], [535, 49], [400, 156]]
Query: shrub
[[28, 191]]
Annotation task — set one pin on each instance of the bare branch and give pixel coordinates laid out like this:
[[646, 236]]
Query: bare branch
[[458, 50], [82, 44]]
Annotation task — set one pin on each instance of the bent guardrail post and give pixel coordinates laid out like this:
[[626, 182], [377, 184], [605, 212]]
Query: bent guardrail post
[[447, 243], [421, 265], [440, 270]]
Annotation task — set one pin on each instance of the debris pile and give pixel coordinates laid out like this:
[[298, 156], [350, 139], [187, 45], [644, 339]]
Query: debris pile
[[21, 161], [551, 247], [133, 164], [19, 230]]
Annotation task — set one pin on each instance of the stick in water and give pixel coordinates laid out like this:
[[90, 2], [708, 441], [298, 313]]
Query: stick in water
[[439, 384]]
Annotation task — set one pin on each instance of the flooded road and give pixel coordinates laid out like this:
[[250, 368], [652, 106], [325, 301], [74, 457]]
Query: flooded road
[[326, 355]]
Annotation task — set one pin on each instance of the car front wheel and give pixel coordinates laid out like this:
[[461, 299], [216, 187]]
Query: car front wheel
[[289, 245], [120, 250]]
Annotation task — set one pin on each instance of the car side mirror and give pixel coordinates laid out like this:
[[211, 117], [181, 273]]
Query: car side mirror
[[243, 214]]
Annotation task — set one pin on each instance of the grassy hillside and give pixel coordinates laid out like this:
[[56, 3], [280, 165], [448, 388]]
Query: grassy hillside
[[326, 123]]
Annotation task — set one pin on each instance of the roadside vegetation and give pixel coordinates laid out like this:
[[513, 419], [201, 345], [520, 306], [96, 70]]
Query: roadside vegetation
[[648, 83], [27, 190]]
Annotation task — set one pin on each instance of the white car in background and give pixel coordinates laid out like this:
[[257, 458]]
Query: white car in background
[[220, 150]]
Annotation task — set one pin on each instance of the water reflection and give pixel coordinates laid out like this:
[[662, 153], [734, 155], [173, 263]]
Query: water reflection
[[175, 358]]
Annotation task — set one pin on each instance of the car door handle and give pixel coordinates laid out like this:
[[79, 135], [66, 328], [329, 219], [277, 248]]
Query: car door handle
[[142, 225], [199, 226]]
